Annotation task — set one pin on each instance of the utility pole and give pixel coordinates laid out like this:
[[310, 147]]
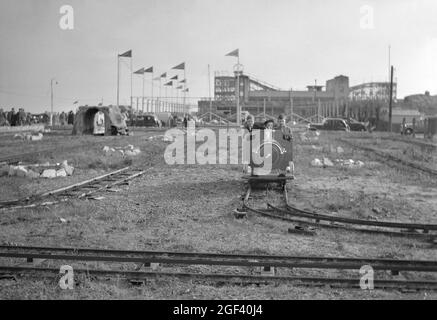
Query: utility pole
[[291, 106], [51, 100], [209, 91], [390, 101]]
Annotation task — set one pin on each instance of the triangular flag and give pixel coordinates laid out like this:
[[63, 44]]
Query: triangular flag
[[180, 66], [75, 102], [234, 53], [174, 78], [170, 83], [164, 75], [127, 54], [182, 81], [149, 69], [180, 87], [141, 71], [186, 90]]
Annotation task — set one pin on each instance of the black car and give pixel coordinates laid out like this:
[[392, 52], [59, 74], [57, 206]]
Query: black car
[[355, 125], [148, 120], [330, 124]]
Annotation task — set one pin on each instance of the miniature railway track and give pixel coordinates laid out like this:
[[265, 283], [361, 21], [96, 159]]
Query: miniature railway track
[[305, 218], [390, 157], [79, 190], [213, 259]]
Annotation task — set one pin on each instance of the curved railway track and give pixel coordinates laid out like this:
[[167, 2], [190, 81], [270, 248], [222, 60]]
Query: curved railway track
[[305, 218], [79, 190], [214, 259]]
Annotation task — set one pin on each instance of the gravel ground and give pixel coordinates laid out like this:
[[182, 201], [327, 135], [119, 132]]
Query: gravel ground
[[189, 208]]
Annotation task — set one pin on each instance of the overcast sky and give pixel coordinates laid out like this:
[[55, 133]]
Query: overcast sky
[[287, 43]]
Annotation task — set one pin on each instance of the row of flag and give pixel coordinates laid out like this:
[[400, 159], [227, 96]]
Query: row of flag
[[174, 80], [128, 54]]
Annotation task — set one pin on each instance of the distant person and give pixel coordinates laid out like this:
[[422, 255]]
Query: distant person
[[63, 118], [286, 130], [185, 122], [99, 123], [70, 117], [21, 117], [12, 118], [248, 125], [3, 118], [268, 131], [28, 118]]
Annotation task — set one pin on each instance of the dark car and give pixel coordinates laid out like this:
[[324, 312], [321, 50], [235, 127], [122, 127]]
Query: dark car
[[330, 124], [148, 120], [355, 125]]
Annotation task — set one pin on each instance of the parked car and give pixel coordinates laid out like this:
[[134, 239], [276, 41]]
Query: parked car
[[148, 120], [408, 130], [355, 125], [330, 124]]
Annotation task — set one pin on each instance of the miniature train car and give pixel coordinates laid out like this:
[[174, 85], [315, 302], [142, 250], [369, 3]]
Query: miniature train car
[[276, 147]]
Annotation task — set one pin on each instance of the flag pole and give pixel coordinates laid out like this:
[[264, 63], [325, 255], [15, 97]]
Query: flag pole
[[118, 80], [152, 88], [131, 80], [185, 78], [142, 103]]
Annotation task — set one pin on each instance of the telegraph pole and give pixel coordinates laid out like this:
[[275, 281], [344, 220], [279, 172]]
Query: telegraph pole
[[51, 101], [390, 101], [291, 106]]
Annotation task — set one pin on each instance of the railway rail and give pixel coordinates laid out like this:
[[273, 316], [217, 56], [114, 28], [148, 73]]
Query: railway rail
[[305, 218], [216, 259], [79, 190]]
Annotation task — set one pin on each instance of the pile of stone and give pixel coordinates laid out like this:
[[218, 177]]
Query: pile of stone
[[46, 170], [29, 136], [348, 163], [161, 137], [129, 150]]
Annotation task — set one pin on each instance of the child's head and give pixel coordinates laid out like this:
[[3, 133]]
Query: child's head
[[268, 124]]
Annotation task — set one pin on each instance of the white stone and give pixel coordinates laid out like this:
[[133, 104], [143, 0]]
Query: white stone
[[316, 163], [340, 150], [359, 163], [20, 171], [106, 149], [49, 173], [36, 138], [61, 173], [327, 162], [68, 169]]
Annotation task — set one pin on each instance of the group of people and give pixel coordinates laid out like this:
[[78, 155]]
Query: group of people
[[269, 125], [21, 118], [14, 118]]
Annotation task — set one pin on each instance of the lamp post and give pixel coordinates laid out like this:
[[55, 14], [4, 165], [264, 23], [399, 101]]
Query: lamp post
[[51, 99]]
